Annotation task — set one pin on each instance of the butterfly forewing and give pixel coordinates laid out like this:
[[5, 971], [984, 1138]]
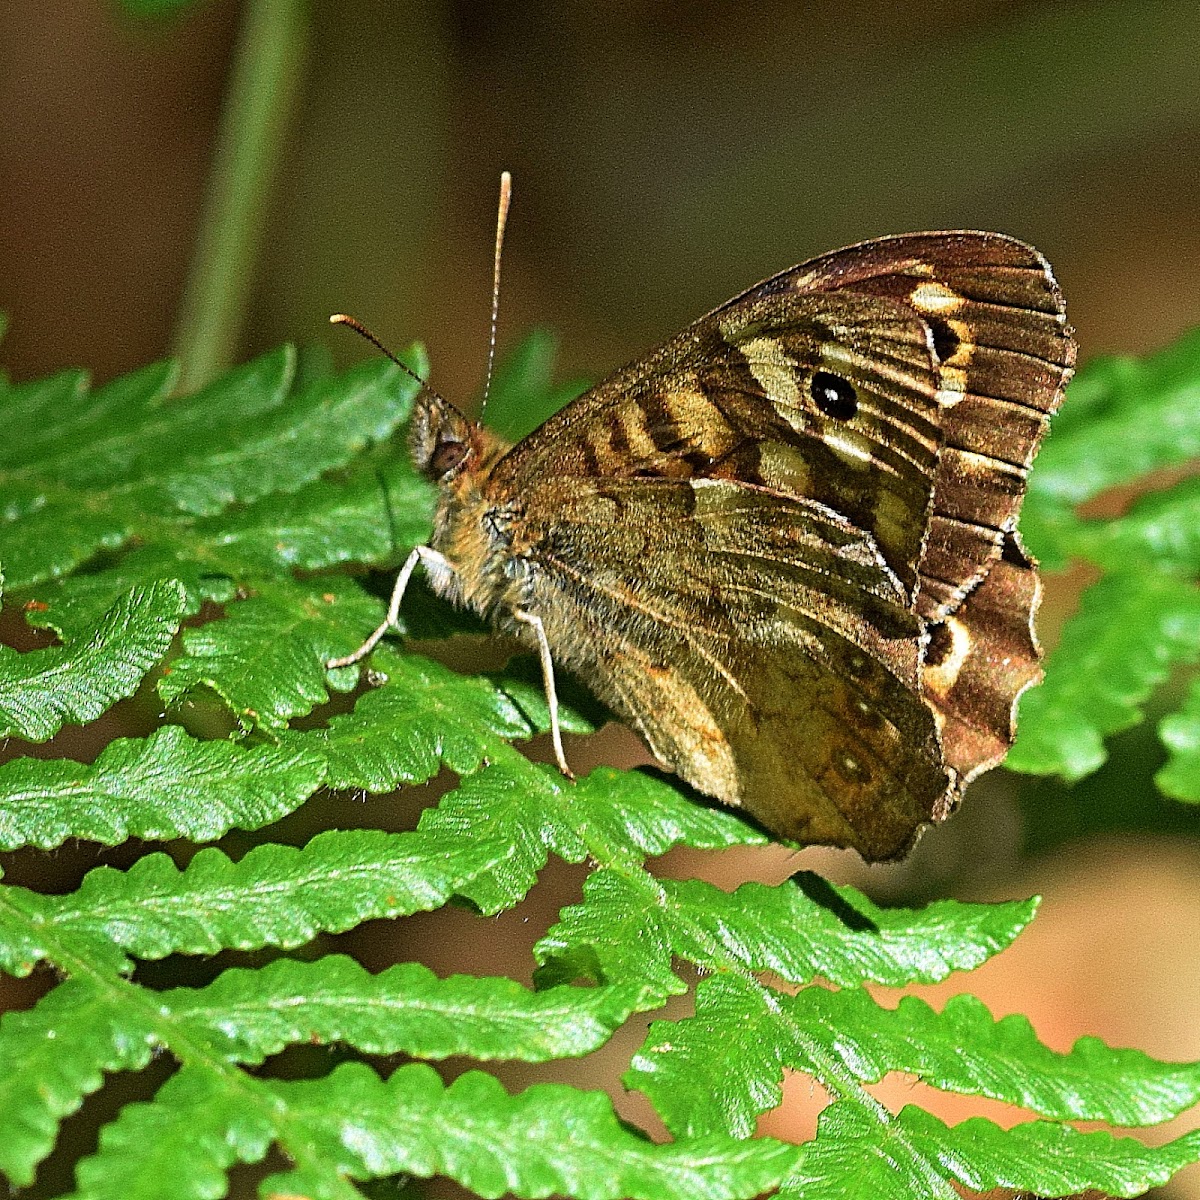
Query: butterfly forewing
[[1004, 352], [1005, 355]]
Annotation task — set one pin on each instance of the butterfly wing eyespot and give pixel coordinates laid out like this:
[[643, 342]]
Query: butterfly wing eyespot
[[834, 396]]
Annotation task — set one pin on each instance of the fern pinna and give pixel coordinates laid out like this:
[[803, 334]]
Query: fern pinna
[[181, 555]]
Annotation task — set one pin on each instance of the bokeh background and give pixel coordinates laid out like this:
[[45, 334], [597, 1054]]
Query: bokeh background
[[665, 156]]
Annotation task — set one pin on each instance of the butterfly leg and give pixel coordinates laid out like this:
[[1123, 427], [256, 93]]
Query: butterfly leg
[[535, 623], [422, 554]]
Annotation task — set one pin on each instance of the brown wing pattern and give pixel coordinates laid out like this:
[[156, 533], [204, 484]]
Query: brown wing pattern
[[1005, 353], [813, 583], [730, 398], [760, 644]]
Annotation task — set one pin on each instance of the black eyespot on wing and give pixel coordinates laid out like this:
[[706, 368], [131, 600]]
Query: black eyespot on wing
[[834, 396], [941, 642], [446, 456], [945, 340]]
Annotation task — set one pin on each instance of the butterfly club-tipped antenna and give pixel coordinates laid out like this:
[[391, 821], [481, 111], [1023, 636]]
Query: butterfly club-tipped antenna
[[501, 222], [363, 332], [361, 329]]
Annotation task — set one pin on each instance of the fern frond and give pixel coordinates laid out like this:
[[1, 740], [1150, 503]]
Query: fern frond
[[1125, 422], [44, 690], [632, 927], [422, 715], [275, 896], [1129, 632], [168, 785], [1180, 733], [614, 817], [54, 1055], [247, 1015], [129, 514], [913, 1153], [1124, 418], [745, 1035], [354, 1126]]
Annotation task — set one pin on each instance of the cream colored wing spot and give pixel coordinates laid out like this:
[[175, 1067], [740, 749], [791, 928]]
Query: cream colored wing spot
[[937, 303], [935, 299], [953, 382], [985, 463], [777, 374], [852, 449]]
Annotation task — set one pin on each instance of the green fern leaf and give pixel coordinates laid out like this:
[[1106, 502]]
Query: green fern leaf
[[80, 491], [615, 817], [179, 504], [423, 715], [166, 786], [235, 441], [1123, 420], [266, 660], [275, 896], [183, 1143], [248, 1015], [45, 689], [573, 1143], [631, 928], [1181, 735], [72, 607], [34, 411], [1130, 630], [354, 1126], [54, 1055], [322, 427], [1161, 529], [378, 511], [913, 1153], [48, 415], [744, 1036]]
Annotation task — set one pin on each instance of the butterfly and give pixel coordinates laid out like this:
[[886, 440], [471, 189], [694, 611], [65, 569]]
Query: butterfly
[[782, 545]]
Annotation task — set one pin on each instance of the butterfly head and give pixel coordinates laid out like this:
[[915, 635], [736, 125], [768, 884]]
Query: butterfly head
[[447, 447], [443, 443]]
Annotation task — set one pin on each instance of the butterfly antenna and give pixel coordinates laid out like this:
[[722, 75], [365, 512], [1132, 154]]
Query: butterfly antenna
[[362, 331], [501, 221]]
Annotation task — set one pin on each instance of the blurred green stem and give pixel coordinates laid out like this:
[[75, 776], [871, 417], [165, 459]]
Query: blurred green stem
[[264, 80]]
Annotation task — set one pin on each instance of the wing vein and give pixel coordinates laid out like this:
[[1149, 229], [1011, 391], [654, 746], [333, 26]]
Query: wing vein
[[670, 622]]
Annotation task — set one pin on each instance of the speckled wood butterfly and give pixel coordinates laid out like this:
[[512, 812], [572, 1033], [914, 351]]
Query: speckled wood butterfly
[[783, 544]]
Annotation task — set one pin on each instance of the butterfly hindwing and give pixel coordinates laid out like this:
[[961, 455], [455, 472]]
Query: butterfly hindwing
[[759, 643]]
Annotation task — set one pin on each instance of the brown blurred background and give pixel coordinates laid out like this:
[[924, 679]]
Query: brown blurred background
[[665, 156]]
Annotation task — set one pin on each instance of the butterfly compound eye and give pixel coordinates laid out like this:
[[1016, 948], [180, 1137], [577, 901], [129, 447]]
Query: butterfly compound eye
[[834, 396], [446, 456]]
